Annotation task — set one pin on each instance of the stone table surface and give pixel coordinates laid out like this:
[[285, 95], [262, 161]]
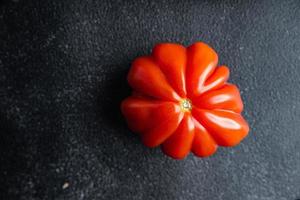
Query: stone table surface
[[63, 66]]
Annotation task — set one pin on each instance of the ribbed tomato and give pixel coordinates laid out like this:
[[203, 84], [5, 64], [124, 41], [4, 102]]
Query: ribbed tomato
[[181, 100]]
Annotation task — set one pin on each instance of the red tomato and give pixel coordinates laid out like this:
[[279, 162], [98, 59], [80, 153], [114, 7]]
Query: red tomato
[[182, 101]]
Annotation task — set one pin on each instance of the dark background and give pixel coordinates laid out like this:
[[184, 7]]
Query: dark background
[[63, 66]]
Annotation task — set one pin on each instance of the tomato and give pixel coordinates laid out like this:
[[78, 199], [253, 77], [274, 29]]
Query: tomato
[[182, 101]]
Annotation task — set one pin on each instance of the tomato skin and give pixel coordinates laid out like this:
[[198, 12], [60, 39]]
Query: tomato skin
[[203, 144], [226, 127], [226, 97], [170, 56], [217, 79], [202, 61], [143, 114], [179, 144], [146, 77], [182, 102]]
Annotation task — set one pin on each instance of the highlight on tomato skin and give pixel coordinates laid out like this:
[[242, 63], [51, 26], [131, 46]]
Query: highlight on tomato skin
[[182, 102]]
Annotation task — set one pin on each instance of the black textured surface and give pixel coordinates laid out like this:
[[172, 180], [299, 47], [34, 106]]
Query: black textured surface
[[63, 66]]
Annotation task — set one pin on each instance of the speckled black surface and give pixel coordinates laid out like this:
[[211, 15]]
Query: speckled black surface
[[63, 67]]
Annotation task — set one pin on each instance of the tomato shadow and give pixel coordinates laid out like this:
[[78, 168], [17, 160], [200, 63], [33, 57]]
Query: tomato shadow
[[118, 150], [117, 147], [112, 91]]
